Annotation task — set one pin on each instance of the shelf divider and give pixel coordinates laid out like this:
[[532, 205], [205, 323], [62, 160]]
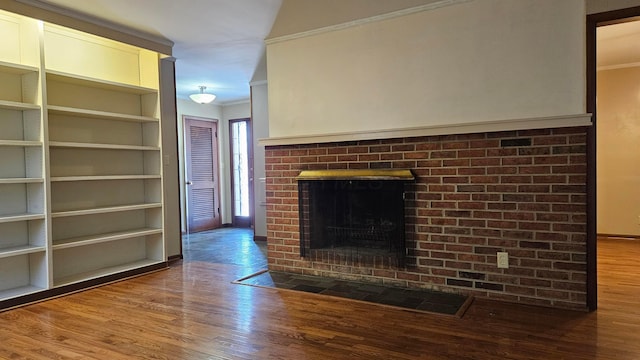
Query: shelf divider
[[20, 217], [19, 291], [103, 272], [71, 111], [20, 250], [14, 105], [104, 177], [13, 68], [20, 143], [101, 146], [100, 238], [21, 180], [104, 210], [98, 83]]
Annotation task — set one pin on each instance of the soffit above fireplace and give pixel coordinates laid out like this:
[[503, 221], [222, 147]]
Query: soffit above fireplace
[[356, 174]]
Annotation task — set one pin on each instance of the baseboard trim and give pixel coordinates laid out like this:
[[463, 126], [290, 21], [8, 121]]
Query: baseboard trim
[[619, 236], [259, 238], [77, 287], [173, 258]]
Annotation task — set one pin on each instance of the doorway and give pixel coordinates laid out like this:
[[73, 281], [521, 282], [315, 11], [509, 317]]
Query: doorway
[[613, 72], [202, 174], [618, 130], [240, 140]]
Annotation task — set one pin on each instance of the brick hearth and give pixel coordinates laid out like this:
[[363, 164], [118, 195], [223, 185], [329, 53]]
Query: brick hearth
[[522, 192]]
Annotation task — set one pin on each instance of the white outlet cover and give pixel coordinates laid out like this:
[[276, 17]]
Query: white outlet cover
[[503, 260]]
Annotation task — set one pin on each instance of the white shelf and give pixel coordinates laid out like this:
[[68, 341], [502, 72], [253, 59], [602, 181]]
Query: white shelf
[[20, 250], [21, 180], [80, 133], [104, 177], [101, 146], [103, 272], [97, 83], [20, 217], [96, 239], [22, 143], [104, 210], [14, 105], [70, 111], [12, 68], [19, 291]]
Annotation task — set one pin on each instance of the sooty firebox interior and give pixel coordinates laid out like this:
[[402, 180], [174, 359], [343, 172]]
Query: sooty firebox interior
[[353, 216]]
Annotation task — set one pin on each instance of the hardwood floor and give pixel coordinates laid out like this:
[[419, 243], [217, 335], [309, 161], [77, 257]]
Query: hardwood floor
[[192, 311]]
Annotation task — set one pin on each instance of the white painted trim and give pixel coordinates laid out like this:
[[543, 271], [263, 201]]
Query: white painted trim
[[468, 128], [97, 21], [236, 102], [258, 82], [359, 22], [618, 66]]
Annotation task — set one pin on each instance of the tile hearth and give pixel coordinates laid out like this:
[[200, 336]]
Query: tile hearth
[[411, 299]]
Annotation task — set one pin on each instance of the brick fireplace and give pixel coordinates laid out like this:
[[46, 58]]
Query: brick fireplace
[[523, 192]]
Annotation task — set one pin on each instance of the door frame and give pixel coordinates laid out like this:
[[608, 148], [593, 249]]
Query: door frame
[[216, 167], [592, 23], [234, 220]]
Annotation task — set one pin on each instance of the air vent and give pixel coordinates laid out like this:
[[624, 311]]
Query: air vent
[[515, 142]]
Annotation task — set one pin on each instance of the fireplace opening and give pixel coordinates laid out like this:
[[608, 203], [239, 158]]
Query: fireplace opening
[[353, 217]]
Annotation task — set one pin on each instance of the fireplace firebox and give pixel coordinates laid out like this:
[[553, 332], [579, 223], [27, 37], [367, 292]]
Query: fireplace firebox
[[353, 217]]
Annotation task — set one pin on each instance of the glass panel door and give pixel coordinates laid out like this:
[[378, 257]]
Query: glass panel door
[[241, 171]]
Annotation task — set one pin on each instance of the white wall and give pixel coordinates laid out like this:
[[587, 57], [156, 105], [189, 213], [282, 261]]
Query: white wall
[[471, 62], [170, 171], [212, 111], [618, 142], [260, 121]]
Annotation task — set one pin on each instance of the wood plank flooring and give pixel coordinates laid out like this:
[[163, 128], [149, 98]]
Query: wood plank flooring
[[192, 311]]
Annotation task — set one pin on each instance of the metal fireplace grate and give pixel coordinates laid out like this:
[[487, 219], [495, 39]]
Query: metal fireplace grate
[[352, 221]]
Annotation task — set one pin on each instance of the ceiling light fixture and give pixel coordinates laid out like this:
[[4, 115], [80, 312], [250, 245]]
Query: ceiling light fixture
[[201, 97]]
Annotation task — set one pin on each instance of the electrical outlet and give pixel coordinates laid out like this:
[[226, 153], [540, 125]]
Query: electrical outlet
[[503, 260]]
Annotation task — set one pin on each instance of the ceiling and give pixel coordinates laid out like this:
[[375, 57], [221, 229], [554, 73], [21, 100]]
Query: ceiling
[[217, 43]]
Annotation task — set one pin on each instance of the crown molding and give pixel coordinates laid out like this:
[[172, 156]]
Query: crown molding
[[618, 66], [258, 82], [436, 130], [236, 102], [363, 21], [87, 23]]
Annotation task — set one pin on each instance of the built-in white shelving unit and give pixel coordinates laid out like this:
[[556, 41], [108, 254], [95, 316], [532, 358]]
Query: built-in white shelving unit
[[105, 167], [23, 240], [80, 150]]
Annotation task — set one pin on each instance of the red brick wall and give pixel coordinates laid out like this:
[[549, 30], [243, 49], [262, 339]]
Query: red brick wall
[[521, 192]]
